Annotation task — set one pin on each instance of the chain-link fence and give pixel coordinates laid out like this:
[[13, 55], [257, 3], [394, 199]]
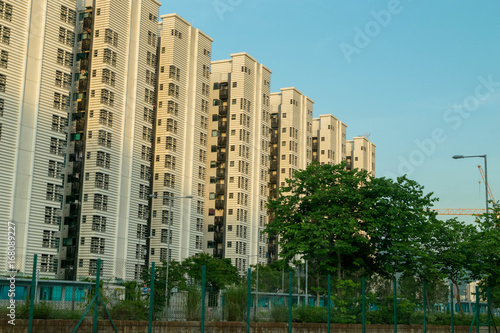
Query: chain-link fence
[[275, 296]]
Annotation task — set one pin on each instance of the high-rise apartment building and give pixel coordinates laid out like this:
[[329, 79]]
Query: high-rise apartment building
[[329, 140], [361, 154], [81, 141], [238, 160], [180, 140]]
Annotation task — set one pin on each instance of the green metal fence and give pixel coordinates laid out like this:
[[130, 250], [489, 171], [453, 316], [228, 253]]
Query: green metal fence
[[287, 297]]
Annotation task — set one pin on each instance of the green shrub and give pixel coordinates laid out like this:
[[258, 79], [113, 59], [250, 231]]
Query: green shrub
[[235, 303], [128, 310], [193, 303], [279, 314], [309, 314]]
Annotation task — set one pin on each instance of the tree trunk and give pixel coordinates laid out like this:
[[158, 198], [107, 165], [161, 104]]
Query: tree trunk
[[458, 297]]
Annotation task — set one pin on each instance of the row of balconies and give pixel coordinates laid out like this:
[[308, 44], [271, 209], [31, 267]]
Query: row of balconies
[[223, 111], [223, 126]]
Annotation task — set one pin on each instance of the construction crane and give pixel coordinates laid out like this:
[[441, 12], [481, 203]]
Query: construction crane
[[490, 192], [460, 211], [468, 211]]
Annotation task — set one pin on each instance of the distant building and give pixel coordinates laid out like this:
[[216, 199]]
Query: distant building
[[361, 154]]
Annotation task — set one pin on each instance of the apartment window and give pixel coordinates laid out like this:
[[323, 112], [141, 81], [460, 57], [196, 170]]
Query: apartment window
[[151, 39], [104, 139], [108, 77], [171, 143], [173, 90], [67, 15], [4, 59], [145, 172], [143, 212], [106, 118], [109, 57], [169, 180], [58, 123], [146, 153], [101, 180], [149, 96], [148, 115], [98, 223], [173, 108], [3, 82], [235, 84], [5, 11], [66, 36], [174, 73], [107, 97], [48, 263], [97, 245], [170, 162], [101, 202], [52, 215], [53, 192], [57, 146], [5, 34], [176, 33], [103, 159]]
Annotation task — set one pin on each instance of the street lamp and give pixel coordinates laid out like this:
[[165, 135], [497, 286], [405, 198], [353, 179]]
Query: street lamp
[[170, 199], [457, 157]]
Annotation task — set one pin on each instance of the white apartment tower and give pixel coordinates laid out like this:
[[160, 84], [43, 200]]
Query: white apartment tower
[[238, 160], [291, 142], [180, 140], [329, 140], [361, 154], [78, 118]]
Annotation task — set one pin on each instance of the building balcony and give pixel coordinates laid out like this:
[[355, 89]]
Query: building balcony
[[273, 193], [221, 173], [218, 254], [79, 146], [220, 189], [77, 167], [86, 45], [223, 126], [79, 126], [315, 146], [87, 22], [272, 248], [275, 123], [84, 64], [70, 251], [274, 151], [223, 111], [219, 221], [224, 92], [81, 106], [274, 165], [274, 138], [222, 141], [83, 85], [218, 237], [219, 204], [221, 157], [273, 179]]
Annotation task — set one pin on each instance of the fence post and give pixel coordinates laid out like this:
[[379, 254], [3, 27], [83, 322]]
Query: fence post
[[290, 300], [424, 306], [249, 297], [329, 288], [477, 309], [151, 297], [363, 298], [32, 295], [394, 286], [451, 308], [203, 284], [96, 305]]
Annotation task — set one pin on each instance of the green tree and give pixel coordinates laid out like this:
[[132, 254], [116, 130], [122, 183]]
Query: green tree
[[319, 215], [220, 272], [401, 227]]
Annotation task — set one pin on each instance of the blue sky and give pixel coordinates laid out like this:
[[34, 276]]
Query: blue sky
[[422, 77]]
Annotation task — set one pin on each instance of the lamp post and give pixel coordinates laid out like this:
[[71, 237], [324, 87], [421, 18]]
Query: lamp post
[[170, 199], [456, 157]]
